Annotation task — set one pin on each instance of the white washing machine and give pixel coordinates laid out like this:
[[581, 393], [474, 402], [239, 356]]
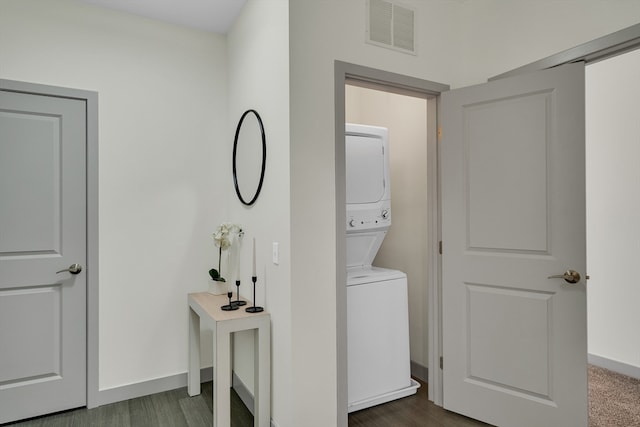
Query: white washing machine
[[379, 366]]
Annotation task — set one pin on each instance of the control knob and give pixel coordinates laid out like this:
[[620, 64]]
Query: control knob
[[352, 223], [385, 213]]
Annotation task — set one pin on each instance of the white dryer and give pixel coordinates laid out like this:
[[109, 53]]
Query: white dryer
[[377, 307]]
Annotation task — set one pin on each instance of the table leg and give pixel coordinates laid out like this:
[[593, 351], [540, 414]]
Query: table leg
[[221, 377], [193, 374], [262, 375], [232, 347]]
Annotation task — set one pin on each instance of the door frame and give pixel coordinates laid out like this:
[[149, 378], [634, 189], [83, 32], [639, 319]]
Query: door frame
[[91, 101], [391, 82], [599, 49]]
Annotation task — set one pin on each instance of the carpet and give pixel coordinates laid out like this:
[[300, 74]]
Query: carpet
[[614, 399]]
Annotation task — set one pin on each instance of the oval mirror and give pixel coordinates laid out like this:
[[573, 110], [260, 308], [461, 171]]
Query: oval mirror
[[249, 157]]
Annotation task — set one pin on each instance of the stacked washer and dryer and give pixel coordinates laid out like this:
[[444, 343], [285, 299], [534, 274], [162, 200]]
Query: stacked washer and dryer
[[379, 367]]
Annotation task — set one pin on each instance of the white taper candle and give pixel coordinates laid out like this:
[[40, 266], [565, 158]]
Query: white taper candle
[[229, 272], [254, 257], [238, 251]]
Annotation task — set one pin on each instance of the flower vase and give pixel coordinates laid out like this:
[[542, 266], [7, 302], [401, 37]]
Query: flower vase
[[217, 288]]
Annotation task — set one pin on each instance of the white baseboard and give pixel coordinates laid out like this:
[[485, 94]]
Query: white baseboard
[[245, 395], [145, 388], [615, 366], [243, 392]]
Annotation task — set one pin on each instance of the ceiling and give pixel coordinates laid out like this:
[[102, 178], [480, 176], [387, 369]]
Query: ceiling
[[215, 16]]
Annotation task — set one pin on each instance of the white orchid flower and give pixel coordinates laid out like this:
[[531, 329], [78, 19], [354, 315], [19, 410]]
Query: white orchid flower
[[223, 238]]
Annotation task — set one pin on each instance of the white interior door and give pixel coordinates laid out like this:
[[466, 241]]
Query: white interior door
[[513, 213], [42, 231]]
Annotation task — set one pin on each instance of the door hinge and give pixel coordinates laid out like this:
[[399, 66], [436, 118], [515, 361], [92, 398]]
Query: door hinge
[[441, 362], [440, 247], [439, 133]]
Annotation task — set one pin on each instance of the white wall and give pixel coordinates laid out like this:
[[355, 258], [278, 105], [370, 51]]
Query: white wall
[[405, 245], [450, 35], [259, 79], [500, 35], [162, 121], [321, 32], [165, 126], [613, 207], [169, 101]]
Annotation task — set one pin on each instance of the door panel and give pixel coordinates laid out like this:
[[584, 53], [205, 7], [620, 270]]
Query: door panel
[[498, 350], [30, 143], [42, 231], [513, 213], [33, 350], [497, 206]]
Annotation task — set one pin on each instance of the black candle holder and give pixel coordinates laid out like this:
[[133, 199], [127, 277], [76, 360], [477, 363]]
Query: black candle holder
[[230, 306], [254, 309], [237, 302]]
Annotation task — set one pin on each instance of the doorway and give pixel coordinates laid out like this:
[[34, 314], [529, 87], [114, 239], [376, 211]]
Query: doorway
[[612, 176], [597, 50], [405, 244], [612, 94], [385, 82]]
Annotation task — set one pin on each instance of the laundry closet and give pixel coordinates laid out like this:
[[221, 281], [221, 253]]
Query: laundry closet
[[404, 247]]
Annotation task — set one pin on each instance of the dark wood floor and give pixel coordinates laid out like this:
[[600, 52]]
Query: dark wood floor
[[176, 409], [411, 411], [169, 409]]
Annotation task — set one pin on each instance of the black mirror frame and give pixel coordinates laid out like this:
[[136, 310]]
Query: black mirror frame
[[264, 158]]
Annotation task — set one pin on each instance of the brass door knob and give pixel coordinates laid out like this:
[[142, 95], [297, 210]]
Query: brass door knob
[[570, 276], [73, 269]]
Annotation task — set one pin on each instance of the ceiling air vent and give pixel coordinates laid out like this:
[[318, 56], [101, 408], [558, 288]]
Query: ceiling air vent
[[391, 25]]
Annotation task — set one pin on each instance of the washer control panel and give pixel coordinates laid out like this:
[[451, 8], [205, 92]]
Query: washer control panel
[[367, 219]]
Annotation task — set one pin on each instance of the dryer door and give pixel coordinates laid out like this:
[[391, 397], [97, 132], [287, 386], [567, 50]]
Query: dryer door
[[365, 169]]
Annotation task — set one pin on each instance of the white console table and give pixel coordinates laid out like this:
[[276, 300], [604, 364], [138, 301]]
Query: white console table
[[204, 310]]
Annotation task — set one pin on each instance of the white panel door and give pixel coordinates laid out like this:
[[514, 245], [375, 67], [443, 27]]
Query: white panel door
[[42, 231], [513, 214]]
